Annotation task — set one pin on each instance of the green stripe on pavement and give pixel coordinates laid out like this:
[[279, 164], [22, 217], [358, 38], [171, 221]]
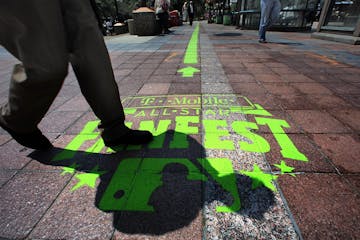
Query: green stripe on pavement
[[191, 55]]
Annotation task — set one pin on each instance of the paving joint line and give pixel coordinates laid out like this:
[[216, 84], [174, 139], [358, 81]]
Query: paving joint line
[[51, 204]]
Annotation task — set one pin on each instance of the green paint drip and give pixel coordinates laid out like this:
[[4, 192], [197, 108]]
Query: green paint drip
[[191, 55]]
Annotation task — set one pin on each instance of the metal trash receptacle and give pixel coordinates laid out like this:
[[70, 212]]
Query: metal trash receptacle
[[145, 21], [120, 28], [131, 26], [227, 19], [219, 19]]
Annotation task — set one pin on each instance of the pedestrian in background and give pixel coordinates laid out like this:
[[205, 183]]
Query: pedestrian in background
[[45, 35], [270, 11], [191, 12], [109, 27], [185, 11], [162, 13]]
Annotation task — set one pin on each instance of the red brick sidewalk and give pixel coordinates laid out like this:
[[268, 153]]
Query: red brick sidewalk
[[320, 98], [311, 84]]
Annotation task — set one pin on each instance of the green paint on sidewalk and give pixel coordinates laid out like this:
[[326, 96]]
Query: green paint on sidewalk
[[188, 71], [191, 54]]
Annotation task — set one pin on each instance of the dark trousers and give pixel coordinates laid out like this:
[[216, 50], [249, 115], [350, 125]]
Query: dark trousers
[[191, 18], [45, 36], [163, 20]]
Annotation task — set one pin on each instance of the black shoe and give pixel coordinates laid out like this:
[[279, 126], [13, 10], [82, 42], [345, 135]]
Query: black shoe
[[133, 137], [261, 40], [35, 140]]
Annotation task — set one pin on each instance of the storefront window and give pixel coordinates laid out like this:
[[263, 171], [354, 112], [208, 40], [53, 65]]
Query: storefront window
[[291, 4], [342, 15], [252, 5], [294, 13]]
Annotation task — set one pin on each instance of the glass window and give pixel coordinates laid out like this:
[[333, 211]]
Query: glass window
[[285, 4], [291, 19], [342, 15], [252, 5], [294, 14], [293, 4]]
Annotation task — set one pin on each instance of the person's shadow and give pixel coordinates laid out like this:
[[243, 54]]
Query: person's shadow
[[163, 186]]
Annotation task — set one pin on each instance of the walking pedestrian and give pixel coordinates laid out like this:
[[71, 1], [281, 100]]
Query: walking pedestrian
[[45, 36], [190, 12], [185, 12], [270, 11], [162, 13], [109, 27]]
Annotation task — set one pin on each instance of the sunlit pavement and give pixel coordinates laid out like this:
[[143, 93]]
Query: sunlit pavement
[[253, 141]]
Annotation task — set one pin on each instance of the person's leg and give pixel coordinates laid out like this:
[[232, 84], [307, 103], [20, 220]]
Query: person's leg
[[266, 7], [166, 23], [158, 21], [92, 67], [162, 17], [184, 16], [275, 12], [33, 32]]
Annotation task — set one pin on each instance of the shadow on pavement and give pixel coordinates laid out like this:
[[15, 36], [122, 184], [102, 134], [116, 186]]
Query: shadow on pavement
[[287, 43], [227, 34], [155, 190]]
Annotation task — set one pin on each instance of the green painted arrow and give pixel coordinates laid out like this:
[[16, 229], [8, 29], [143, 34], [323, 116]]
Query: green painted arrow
[[188, 71], [191, 54]]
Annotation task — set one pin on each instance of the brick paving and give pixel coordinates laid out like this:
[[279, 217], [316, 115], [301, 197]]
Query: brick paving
[[203, 155]]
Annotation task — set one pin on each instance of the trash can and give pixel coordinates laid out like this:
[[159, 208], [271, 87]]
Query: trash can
[[219, 19], [120, 28], [145, 21], [227, 19], [131, 26]]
